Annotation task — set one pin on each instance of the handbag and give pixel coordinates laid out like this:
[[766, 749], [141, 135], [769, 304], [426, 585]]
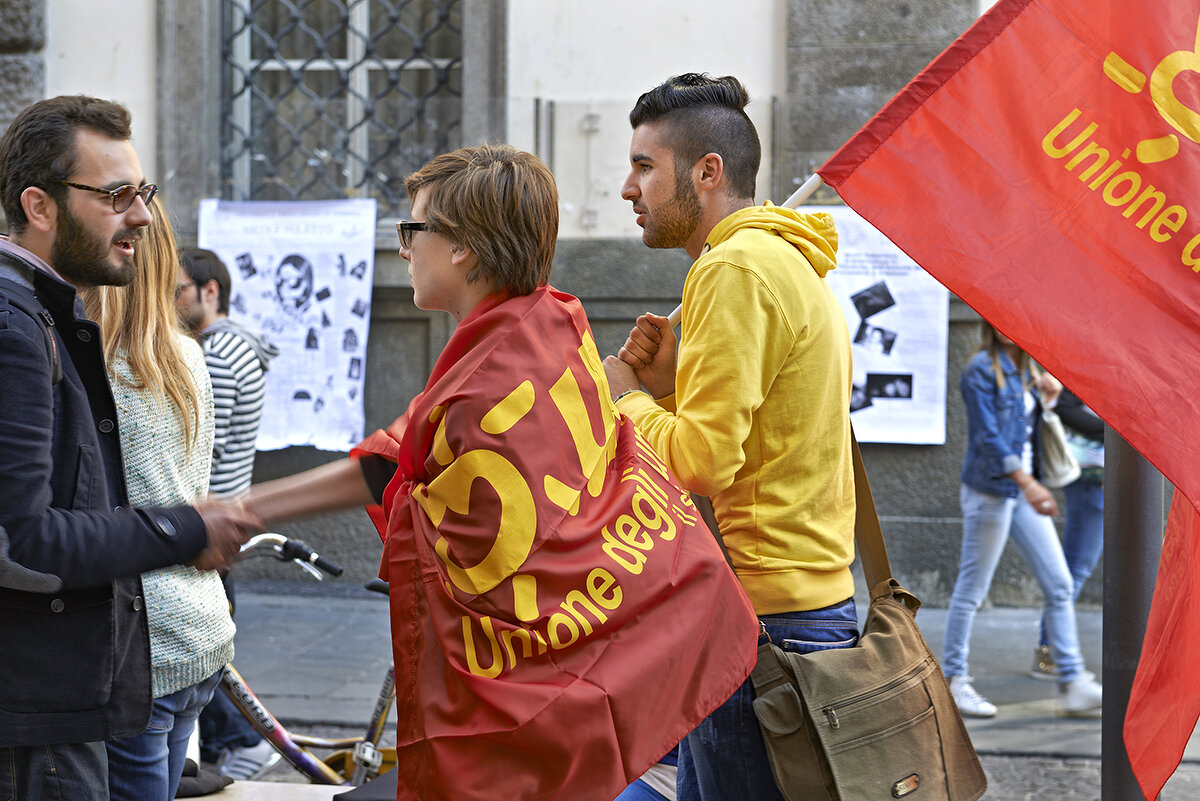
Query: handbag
[[876, 721], [1057, 466]]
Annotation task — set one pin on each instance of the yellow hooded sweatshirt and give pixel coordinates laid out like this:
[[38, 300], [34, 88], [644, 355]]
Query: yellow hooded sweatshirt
[[760, 421]]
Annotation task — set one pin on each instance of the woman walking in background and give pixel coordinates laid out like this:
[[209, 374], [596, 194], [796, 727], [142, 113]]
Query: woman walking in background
[[165, 414], [1001, 495], [1083, 532]]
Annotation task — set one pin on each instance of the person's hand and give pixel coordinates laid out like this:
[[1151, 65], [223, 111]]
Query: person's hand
[[650, 351], [229, 525], [1041, 499], [620, 377], [1049, 388]]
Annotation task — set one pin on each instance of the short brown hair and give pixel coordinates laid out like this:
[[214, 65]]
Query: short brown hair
[[203, 266], [501, 203], [701, 114], [38, 149]]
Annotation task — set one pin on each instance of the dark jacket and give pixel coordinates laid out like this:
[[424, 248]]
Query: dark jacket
[[74, 664], [1078, 417]]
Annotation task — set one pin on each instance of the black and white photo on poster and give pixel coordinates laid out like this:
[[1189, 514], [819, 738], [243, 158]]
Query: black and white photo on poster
[[898, 319], [303, 274]]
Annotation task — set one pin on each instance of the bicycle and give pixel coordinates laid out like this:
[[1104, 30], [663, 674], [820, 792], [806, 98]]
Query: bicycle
[[354, 760]]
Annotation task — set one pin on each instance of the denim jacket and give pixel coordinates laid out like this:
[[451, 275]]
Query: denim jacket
[[996, 425]]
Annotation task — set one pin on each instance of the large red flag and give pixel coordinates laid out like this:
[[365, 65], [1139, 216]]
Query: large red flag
[[1043, 168], [561, 616]]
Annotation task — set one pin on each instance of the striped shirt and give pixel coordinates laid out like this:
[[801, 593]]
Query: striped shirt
[[239, 384]]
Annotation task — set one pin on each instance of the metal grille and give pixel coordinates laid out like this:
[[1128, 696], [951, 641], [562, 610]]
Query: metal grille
[[337, 98]]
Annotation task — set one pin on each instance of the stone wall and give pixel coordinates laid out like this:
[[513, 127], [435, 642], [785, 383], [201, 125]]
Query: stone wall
[[22, 68]]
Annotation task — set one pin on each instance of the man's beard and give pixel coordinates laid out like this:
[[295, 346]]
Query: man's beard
[[672, 225], [81, 257], [193, 316]]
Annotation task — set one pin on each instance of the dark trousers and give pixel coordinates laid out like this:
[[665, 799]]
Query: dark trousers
[[71, 772]]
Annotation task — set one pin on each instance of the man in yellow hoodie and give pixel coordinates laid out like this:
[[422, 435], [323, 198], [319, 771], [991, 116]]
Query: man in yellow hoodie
[[752, 408]]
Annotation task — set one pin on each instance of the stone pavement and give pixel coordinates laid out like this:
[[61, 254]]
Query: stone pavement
[[316, 655]]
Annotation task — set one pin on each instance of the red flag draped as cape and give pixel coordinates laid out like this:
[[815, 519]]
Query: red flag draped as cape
[[561, 617], [1043, 168]]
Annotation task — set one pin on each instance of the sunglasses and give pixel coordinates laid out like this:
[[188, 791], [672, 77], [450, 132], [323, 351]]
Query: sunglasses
[[122, 196], [406, 229]]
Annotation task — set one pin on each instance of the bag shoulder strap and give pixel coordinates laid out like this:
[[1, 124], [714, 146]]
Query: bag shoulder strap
[[28, 302], [867, 534], [768, 670]]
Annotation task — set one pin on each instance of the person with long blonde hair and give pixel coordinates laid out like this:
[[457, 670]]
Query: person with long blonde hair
[[165, 412], [1001, 496]]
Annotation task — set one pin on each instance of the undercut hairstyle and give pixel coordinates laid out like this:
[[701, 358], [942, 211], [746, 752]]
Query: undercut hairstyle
[[39, 149], [203, 266], [500, 202], [701, 115], [140, 319]]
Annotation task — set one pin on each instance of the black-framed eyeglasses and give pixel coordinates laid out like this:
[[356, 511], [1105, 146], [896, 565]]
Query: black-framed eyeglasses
[[122, 196], [406, 228]]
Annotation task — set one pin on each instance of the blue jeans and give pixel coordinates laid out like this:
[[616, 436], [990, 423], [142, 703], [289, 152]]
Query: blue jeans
[[640, 791], [54, 772], [724, 759], [1083, 533], [147, 766], [988, 521]]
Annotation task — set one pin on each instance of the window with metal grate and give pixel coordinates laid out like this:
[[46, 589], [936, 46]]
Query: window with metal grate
[[324, 99]]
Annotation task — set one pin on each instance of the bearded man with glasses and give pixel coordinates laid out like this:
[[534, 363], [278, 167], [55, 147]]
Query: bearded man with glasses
[[76, 664]]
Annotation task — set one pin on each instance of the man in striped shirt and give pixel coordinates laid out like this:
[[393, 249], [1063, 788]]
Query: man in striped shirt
[[237, 362]]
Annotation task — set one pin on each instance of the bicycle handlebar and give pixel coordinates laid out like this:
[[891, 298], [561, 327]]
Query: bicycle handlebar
[[295, 550]]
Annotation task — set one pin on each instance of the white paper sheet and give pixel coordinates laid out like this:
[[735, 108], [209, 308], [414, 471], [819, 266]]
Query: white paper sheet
[[899, 317], [302, 274]]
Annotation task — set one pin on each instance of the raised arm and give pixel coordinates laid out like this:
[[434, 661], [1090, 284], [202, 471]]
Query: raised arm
[[328, 488]]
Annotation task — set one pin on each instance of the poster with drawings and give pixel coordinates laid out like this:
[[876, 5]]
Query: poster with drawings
[[302, 274], [899, 319]]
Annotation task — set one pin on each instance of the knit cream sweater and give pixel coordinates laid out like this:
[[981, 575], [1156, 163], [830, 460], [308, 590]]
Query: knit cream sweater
[[191, 631]]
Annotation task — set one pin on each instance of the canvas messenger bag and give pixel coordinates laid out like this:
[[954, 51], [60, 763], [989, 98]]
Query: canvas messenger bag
[[871, 722]]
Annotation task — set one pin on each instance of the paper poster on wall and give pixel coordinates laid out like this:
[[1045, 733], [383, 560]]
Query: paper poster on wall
[[302, 274], [898, 317]]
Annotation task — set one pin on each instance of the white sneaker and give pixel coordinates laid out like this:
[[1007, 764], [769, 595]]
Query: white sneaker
[[249, 762], [1081, 694], [969, 701]]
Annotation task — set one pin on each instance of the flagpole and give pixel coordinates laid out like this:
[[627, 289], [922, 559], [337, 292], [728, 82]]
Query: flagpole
[[802, 194], [1135, 495]]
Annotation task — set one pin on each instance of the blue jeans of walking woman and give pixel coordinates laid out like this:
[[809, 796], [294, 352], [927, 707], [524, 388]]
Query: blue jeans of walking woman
[[988, 522], [1083, 532], [724, 759]]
